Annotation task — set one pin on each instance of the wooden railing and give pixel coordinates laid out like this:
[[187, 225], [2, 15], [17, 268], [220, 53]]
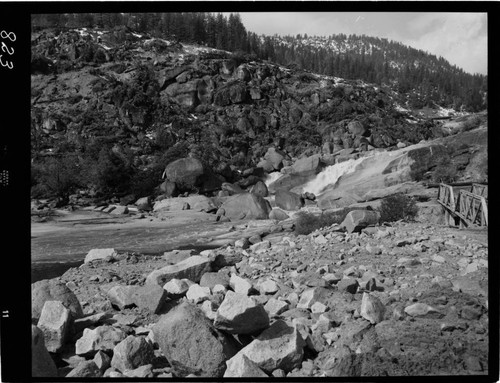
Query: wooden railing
[[468, 208]]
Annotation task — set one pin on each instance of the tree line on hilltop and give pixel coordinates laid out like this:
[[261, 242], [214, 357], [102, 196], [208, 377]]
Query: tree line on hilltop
[[426, 79]]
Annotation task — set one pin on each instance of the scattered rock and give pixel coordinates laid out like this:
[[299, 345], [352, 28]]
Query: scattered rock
[[246, 206], [359, 219], [103, 338], [52, 290], [372, 309], [240, 366], [42, 365], [240, 285], [349, 285], [287, 200], [198, 294], [177, 287], [131, 353], [122, 297], [275, 307], [98, 254], [280, 346], [191, 344], [423, 310], [239, 314], [86, 369], [54, 322], [191, 268], [150, 297]]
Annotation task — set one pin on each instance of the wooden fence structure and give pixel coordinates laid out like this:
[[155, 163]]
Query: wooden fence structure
[[467, 208]]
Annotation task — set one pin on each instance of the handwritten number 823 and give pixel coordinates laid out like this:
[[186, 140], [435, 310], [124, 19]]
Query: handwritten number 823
[[5, 48]]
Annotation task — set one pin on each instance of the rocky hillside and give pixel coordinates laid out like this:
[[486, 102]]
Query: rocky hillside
[[147, 102]]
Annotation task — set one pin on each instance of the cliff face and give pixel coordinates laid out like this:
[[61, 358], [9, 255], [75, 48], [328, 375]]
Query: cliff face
[[144, 96]]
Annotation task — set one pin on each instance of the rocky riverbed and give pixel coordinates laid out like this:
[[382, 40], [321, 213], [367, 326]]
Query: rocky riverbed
[[405, 299]]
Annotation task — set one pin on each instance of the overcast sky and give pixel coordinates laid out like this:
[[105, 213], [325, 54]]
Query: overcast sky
[[460, 38]]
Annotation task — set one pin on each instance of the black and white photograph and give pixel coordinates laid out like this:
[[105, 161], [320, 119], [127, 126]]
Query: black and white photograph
[[219, 193]]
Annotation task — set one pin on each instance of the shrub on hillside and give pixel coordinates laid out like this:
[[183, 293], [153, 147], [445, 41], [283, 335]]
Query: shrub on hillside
[[55, 177], [110, 173], [472, 123], [396, 207], [306, 223], [445, 172]]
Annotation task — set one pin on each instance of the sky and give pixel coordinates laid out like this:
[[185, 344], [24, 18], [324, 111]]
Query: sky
[[460, 38]]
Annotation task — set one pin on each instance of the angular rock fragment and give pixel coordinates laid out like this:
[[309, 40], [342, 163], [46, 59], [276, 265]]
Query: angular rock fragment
[[280, 346], [197, 294], [42, 364], [191, 344], [349, 285], [102, 361], [359, 219], [275, 307], [177, 287], [150, 297], [98, 254], [191, 268], [122, 296], [86, 369], [239, 314], [372, 309], [54, 322], [131, 353], [103, 338], [423, 310], [240, 285], [240, 366], [52, 290]]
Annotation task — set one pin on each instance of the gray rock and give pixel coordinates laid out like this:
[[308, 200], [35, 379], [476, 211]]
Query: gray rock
[[102, 361], [259, 188], [311, 296], [150, 297], [145, 371], [240, 366], [280, 346], [54, 322], [86, 369], [197, 294], [349, 285], [246, 206], [278, 215], [131, 353], [275, 307], [52, 290], [185, 172], [42, 364], [359, 219], [98, 254], [239, 314], [122, 296], [372, 309], [211, 279], [267, 286], [288, 200], [91, 320], [103, 338], [191, 344], [191, 268], [143, 204], [119, 210], [240, 285], [177, 287], [423, 310], [176, 256]]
